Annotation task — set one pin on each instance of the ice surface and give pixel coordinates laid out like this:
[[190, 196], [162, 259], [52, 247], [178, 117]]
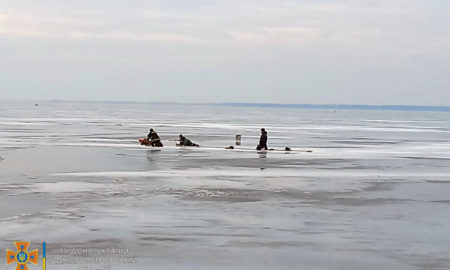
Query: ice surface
[[360, 190]]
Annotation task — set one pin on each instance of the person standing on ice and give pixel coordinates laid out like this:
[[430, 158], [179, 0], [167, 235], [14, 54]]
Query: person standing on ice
[[153, 139], [262, 140]]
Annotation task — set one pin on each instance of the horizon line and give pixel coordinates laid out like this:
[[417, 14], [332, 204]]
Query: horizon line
[[265, 105]]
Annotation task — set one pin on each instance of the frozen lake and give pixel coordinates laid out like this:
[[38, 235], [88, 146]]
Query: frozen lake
[[361, 190]]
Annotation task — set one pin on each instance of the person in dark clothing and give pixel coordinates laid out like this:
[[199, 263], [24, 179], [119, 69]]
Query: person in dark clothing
[[153, 139], [262, 140], [185, 142]]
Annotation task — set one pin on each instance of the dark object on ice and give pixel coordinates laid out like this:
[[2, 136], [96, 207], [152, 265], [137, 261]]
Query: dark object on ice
[[308, 151], [186, 142], [230, 147], [238, 139], [287, 149], [153, 139], [36, 104], [262, 140]]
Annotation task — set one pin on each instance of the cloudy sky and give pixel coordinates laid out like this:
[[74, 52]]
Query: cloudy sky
[[297, 51]]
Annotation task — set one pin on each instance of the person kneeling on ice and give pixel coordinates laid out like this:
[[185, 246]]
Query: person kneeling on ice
[[185, 142], [262, 140], [153, 139]]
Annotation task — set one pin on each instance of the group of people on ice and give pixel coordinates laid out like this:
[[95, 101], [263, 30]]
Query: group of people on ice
[[154, 140]]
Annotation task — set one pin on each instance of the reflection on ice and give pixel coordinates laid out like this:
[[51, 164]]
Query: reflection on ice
[[276, 173]]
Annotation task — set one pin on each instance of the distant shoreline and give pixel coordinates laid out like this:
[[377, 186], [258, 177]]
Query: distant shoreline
[[274, 105], [345, 107]]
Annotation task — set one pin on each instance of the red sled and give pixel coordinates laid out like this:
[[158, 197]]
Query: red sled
[[144, 141]]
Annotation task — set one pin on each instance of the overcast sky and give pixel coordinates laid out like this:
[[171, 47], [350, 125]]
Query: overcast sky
[[298, 51]]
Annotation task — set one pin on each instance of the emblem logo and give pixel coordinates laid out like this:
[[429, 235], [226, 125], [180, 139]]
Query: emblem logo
[[22, 257]]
